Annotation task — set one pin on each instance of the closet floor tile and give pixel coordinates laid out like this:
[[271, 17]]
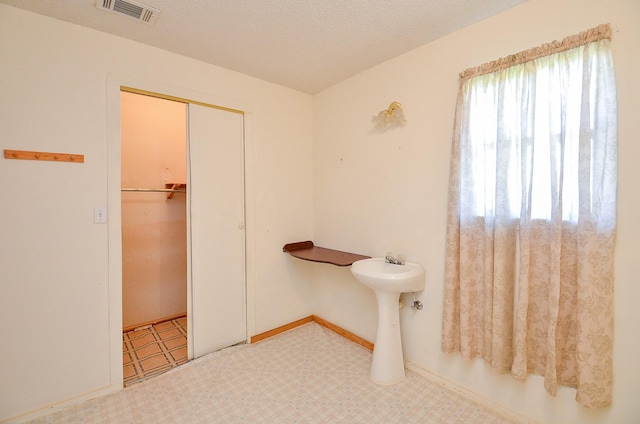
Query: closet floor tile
[[152, 351]]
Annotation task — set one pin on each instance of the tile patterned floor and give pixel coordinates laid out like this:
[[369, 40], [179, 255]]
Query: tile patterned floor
[[151, 351], [305, 375]]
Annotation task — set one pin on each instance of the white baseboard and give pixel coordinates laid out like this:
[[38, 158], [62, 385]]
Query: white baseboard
[[55, 407], [455, 387]]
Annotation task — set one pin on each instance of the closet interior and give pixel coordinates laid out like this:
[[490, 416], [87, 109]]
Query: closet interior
[[154, 234]]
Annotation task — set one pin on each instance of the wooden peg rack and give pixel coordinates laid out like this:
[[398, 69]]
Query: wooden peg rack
[[57, 157]]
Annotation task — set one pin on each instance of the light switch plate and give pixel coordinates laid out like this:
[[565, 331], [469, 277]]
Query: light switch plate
[[99, 214]]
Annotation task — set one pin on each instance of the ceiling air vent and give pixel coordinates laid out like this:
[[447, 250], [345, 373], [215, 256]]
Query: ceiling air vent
[[130, 8]]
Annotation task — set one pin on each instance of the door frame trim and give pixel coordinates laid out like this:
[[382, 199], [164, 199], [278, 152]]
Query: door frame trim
[[115, 84]]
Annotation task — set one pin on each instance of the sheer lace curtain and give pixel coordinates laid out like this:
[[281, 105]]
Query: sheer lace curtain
[[532, 214]]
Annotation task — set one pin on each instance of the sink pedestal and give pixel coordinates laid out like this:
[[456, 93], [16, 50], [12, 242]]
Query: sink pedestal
[[388, 280], [387, 364]]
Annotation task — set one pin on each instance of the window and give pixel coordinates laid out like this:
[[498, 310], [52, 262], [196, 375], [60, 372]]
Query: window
[[524, 125]]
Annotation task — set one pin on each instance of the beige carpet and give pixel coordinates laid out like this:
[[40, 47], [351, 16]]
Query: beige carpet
[[305, 375]]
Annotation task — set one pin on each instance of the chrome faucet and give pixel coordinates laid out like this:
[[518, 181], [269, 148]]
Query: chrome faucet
[[396, 261]]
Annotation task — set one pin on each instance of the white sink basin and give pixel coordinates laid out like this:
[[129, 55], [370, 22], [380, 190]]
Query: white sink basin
[[377, 274], [387, 282]]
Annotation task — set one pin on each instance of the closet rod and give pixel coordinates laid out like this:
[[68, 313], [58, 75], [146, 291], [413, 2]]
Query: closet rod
[[156, 190]]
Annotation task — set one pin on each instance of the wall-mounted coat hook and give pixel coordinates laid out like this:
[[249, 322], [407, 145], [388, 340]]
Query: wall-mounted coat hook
[[29, 155]]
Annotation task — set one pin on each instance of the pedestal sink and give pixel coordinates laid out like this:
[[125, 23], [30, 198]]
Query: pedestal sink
[[388, 280]]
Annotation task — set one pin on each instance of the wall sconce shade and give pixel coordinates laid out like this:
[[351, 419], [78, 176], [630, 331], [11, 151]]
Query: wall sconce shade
[[391, 117]]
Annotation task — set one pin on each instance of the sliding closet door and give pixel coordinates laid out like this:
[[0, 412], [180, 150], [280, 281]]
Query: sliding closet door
[[216, 188]]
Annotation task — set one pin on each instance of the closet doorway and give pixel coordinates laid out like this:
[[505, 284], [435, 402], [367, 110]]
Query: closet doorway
[[182, 221], [154, 235]]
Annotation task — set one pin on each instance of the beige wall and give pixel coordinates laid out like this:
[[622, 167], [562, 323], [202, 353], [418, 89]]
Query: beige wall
[[379, 192], [154, 227], [59, 308]]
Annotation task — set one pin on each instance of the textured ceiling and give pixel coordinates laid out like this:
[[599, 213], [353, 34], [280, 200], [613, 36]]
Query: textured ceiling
[[307, 45]]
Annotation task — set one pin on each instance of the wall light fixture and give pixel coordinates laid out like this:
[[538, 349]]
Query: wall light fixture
[[391, 117]]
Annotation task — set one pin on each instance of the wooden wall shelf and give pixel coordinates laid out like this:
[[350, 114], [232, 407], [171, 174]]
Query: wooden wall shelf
[[307, 251]]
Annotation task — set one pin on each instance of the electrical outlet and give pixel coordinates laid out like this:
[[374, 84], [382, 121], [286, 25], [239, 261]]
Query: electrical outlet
[[99, 214]]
